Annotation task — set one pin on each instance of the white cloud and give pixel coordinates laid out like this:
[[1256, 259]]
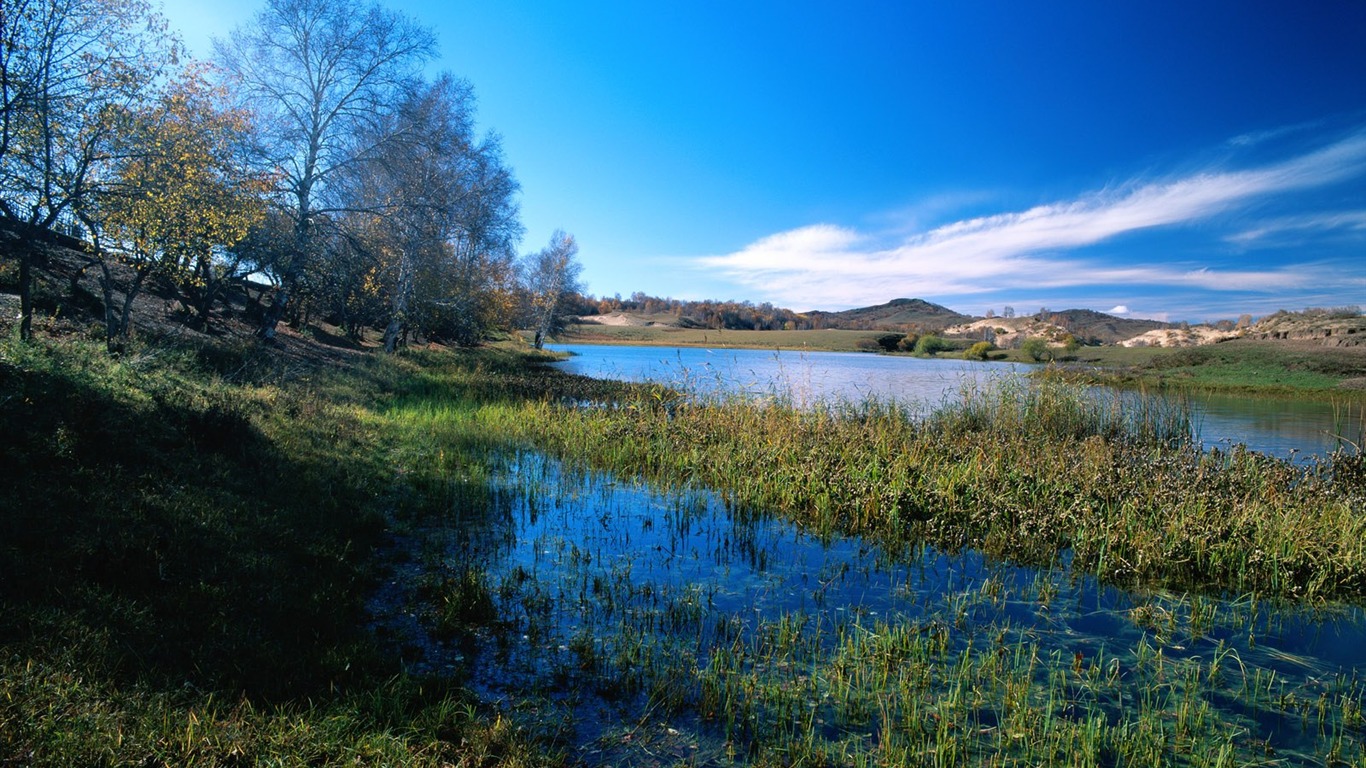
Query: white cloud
[[1346, 221], [1254, 138], [827, 265], [1119, 309]]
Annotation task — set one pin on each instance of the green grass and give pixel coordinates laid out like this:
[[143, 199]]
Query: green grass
[[189, 535], [187, 539], [1237, 367], [1020, 472]]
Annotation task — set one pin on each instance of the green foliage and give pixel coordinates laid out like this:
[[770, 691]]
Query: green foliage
[[883, 342], [908, 342], [930, 345], [889, 341], [979, 351], [1037, 349]]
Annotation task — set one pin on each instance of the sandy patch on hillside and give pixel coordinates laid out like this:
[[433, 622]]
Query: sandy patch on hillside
[[615, 318], [1005, 331], [1179, 337]]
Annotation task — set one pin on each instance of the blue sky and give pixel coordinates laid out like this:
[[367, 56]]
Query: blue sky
[[1177, 160]]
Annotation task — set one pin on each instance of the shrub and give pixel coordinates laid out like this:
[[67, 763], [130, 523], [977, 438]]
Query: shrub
[[931, 344], [888, 341], [979, 351], [1036, 349], [907, 343]]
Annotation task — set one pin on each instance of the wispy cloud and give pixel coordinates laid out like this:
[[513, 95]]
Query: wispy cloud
[[824, 264], [1347, 221], [1253, 138]]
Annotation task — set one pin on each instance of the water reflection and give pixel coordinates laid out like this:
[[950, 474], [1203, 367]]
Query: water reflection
[[1281, 428], [618, 610]]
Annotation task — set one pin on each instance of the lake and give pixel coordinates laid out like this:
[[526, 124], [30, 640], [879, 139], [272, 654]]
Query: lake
[[1277, 427]]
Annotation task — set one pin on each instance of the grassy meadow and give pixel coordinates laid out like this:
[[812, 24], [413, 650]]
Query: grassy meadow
[[195, 542], [1236, 367]]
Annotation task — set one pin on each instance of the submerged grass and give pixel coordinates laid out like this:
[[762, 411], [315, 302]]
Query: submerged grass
[[1025, 471], [189, 538]]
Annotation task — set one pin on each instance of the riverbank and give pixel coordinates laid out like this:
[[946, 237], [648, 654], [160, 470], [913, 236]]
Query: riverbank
[[193, 538], [1258, 368], [188, 541], [1240, 367]]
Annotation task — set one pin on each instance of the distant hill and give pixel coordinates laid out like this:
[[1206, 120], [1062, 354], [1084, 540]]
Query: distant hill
[[896, 315], [1333, 327], [1087, 326]]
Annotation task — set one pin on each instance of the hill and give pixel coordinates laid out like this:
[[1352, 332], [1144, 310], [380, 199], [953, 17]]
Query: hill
[[895, 315], [1087, 326], [1337, 327]]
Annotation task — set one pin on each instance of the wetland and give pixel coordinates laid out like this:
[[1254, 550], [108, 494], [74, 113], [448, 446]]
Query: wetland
[[472, 558]]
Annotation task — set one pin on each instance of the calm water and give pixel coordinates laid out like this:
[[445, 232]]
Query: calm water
[[1281, 428], [614, 600]]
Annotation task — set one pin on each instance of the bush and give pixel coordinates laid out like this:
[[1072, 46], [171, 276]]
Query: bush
[[1037, 349], [979, 351], [888, 341], [931, 344], [907, 343]]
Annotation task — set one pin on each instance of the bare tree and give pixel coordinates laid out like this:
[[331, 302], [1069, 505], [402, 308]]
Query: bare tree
[[552, 275], [432, 218], [420, 188], [318, 73]]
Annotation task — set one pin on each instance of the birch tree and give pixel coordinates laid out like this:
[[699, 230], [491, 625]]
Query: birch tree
[[182, 198], [318, 73], [552, 275]]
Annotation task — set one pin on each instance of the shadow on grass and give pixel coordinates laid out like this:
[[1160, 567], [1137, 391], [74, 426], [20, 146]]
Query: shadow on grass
[[159, 530]]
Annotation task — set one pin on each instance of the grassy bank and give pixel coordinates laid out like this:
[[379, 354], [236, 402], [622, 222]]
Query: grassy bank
[[190, 537], [671, 336], [1023, 473], [1240, 367]]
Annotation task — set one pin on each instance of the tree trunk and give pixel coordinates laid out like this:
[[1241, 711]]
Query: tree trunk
[[398, 310], [26, 291], [273, 314]]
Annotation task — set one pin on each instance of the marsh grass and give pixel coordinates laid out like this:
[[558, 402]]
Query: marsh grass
[[712, 636], [191, 541], [1025, 471]]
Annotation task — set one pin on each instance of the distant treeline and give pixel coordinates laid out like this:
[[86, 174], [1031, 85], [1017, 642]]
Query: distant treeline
[[727, 315], [734, 315]]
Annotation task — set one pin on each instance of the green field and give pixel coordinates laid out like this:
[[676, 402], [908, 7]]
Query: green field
[[1235, 367]]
